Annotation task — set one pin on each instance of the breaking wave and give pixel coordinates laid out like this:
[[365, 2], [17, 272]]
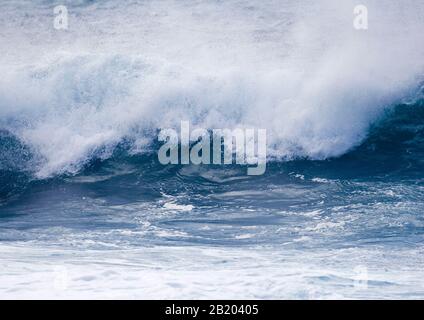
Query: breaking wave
[[66, 103]]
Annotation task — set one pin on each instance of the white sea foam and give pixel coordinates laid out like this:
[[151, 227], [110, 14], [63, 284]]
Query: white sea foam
[[299, 70], [250, 273]]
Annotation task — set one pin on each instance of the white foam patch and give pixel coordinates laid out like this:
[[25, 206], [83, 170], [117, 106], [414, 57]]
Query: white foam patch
[[179, 207], [33, 272]]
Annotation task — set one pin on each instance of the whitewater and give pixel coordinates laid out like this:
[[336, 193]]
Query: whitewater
[[87, 211]]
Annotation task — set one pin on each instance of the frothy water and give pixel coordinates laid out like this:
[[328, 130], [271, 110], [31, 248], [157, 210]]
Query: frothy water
[[85, 205]]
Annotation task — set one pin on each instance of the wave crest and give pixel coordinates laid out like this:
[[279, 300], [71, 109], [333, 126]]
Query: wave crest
[[317, 89]]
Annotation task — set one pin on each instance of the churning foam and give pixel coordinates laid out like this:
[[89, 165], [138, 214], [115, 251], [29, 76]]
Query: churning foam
[[298, 69]]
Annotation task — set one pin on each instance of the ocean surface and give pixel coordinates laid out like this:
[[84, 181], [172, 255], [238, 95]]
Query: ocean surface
[[87, 210]]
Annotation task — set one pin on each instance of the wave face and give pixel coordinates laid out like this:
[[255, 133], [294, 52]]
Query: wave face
[[80, 182]]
